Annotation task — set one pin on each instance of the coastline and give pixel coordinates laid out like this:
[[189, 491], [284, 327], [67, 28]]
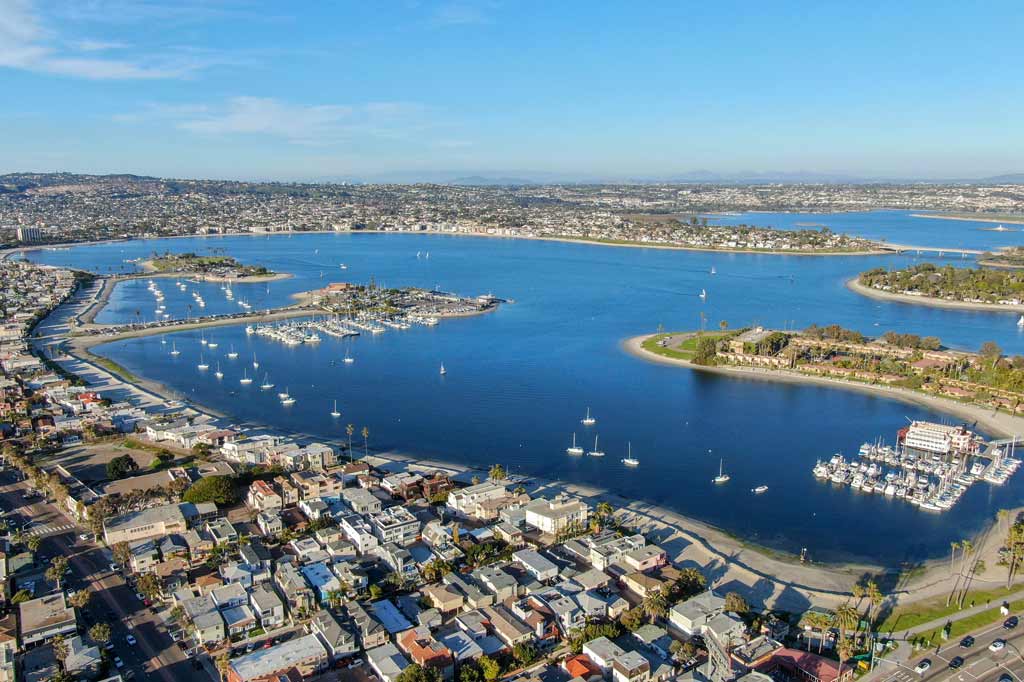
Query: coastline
[[149, 269], [996, 423], [855, 285], [981, 219]]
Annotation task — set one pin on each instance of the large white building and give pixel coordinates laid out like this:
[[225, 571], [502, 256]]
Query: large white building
[[555, 516], [940, 438]]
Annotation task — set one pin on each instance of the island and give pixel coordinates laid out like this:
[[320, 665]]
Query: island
[[946, 286], [1010, 257], [214, 268], [985, 386]]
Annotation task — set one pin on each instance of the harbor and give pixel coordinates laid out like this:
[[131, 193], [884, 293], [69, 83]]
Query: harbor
[[930, 466], [298, 332]]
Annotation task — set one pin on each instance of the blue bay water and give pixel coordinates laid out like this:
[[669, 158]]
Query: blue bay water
[[520, 379]]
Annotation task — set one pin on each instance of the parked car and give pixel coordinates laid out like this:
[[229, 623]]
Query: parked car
[[967, 642], [84, 537], [118, 662], [956, 662], [1011, 622], [997, 645], [131, 640], [922, 667]]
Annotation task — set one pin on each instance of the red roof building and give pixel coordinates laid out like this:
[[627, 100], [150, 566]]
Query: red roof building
[[805, 666]]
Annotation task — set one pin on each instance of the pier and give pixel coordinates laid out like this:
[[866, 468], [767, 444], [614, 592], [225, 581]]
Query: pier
[[922, 250]]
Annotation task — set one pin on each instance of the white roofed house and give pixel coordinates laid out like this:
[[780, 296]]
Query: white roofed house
[[690, 616], [395, 524], [603, 652], [358, 532], [535, 564], [306, 654], [483, 501], [360, 500], [556, 516], [269, 523], [398, 560], [319, 456], [268, 606], [322, 580]]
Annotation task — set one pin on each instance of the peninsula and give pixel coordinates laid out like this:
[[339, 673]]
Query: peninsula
[[984, 387], [947, 286], [209, 268]]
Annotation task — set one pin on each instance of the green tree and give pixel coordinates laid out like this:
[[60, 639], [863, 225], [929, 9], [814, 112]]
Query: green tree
[[735, 602], [33, 543], [349, 430], [470, 672], [119, 467], [122, 553], [820, 622], [654, 605], [58, 567], [706, 351], [81, 599], [223, 664], [61, 675], [490, 668], [100, 633], [497, 473], [376, 592], [525, 653], [150, 587], [417, 673], [632, 619], [218, 489], [366, 441]]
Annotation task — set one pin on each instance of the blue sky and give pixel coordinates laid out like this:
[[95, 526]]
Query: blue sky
[[320, 89]]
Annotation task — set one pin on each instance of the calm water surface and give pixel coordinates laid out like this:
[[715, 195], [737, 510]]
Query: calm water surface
[[520, 379]]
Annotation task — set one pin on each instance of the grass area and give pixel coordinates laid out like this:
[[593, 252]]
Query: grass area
[[972, 623], [683, 351], [117, 369], [934, 608]]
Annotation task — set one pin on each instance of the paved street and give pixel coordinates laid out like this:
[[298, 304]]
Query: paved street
[[978, 662], [155, 656]]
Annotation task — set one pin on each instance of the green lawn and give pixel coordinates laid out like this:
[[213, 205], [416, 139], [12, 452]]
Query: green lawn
[[970, 624], [115, 368], [684, 351], [931, 609]]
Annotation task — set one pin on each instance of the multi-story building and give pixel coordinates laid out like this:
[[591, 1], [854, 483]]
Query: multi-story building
[[557, 515], [306, 655], [395, 524], [263, 498], [143, 525]]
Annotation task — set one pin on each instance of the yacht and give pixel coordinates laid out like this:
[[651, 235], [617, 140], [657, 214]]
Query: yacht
[[219, 374], [574, 449], [722, 477], [343, 266], [233, 353], [174, 349], [443, 370], [703, 294], [588, 420], [202, 338], [211, 344], [348, 359], [1020, 322], [288, 401], [255, 365], [266, 385], [595, 452], [760, 489], [629, 460], [712, 269], [334, 412], [163, 341], [202, 363], [245, 380], [284, 395]]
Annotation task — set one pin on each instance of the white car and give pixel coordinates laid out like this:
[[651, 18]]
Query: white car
[[922, 667], [138, 595], [131, 640], [997, 645], [85, 537], [118, 662], [113, 568]]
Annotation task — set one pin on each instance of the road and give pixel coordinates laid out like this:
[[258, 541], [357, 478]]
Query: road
[[155, 656], [979, 663]]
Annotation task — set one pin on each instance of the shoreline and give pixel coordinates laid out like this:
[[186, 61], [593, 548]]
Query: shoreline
[[149, 269], [855, 286], [940, 216], [997, 423]]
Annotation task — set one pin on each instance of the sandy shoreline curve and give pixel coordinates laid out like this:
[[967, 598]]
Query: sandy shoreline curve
[[1011, 220], [995, 423], [855, 285]]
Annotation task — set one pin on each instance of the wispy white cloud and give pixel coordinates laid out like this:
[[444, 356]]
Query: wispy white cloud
[[462, 13], [26, 44], [305, 124]]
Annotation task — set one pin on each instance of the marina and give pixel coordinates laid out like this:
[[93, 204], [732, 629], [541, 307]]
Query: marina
[[930, 466]]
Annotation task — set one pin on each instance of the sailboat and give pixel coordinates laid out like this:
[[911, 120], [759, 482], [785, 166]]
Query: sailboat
[[285, 398], [202, 363], [174, 349], [574, 449], [255, 365], [629, 460], [348, 358], [759, 489], [245, 380], [1020, 322], [202, 338], [712, 269], [219, 374], [232, 353], [588, 420], [211, 344], [443, 370], [283, 395], [334, 412], [163, 341], [595, 452], [722, 477], [703, 295], [266, 385]]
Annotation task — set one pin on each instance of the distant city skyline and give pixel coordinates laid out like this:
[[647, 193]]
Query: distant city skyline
[[496, 90]]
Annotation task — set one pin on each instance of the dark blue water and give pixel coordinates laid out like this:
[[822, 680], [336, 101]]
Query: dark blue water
[[520, 379]]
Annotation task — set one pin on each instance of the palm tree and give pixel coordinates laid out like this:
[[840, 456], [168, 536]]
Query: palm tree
[[58, 567], [33, 543], [858, 592], [334, 597], [366, 435], [953, 546], [654, 605], [820, 622], [223, 663], [100, 633], [875, 597], [81, 599], [350, 429], [846, 618], [60, 648]]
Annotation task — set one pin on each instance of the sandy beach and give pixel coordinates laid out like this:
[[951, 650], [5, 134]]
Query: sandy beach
[[980, 219], [996, 423], [855, 285]]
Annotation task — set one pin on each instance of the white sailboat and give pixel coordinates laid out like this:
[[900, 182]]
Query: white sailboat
[[288, 401], [245, 380], [202, 338], [202, 363], [266, 385], [334, 412], [588, 420], [595, 452], [232, 353], [255, 365], [284, 395], [574, 449], [219, 374], [163, 341], [443, 370], [348, 358], [722, 477], [174, 349], [760, 489], [703, 294], [1020, 322], [712, 269], [629, 460], [211, 344]]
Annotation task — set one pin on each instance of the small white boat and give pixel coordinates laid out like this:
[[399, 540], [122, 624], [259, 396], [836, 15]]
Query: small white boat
[[595, 452], [288, 401], [760, 489], [163, 341], [722, 477], [443, 370], [202, 339], [266, 385], [202, 363], [703, 294], [629, 460], [284, 395], [255, 365], [348, 359], [1020, 322], [334, 412], [712, 269], [174, 349], [343, 266], [588, 420], [232, 353], [211, 344], [219, 374], [574, 449], [245, 380]]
